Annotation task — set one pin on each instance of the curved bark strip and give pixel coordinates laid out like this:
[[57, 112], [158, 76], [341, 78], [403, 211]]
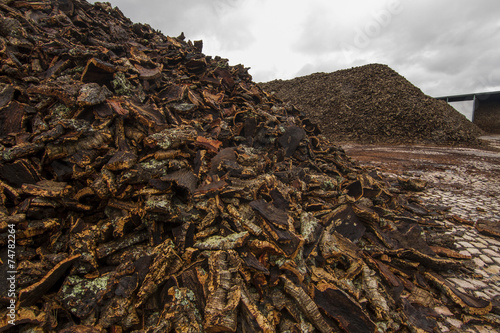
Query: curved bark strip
[[307, 305], [470, 304], [148, 187], [343, 309], [224, 292]]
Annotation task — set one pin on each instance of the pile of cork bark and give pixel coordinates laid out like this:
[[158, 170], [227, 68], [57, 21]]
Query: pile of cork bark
[[374, 104], [155, 189]]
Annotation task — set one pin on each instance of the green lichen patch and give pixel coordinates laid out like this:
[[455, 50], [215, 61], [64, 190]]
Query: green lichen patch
[[121, 85], [80, 296], [223, 243], [60, 111], [159, 203]]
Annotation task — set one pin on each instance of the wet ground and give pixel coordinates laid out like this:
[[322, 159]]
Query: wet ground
[[467, 182], [465, 179]]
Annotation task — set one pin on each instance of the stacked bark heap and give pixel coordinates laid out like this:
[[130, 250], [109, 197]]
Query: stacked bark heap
[[155, 189], [373, 103]]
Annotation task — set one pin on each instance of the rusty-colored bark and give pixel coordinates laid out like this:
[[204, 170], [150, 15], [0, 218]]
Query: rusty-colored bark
[[156, 189]]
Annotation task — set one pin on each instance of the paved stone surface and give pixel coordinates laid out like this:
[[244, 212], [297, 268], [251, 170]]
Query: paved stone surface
[[473, 251], [467, 182], [487, 260], [494, 242]]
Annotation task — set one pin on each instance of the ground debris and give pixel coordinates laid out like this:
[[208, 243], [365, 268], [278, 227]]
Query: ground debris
[[156, 189], [489, 228]]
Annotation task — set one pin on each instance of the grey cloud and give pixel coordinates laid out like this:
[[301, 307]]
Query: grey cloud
[[453, 44], [319, 31], [436, 43], [331, 30], [443, 47], [263, 75], [198, 19], [333, 64], [312, 68]]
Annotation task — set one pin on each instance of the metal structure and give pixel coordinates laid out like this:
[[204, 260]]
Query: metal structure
[[486, 109]]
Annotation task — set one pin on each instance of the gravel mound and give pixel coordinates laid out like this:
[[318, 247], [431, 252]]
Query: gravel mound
[[373, 103]]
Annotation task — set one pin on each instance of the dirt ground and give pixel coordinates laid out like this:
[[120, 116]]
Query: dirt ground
[[467, 180], [424, 157]]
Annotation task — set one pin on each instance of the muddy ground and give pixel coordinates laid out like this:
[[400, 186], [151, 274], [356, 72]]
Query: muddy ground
[[467, 180]]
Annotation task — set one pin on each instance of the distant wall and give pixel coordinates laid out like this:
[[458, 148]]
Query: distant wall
[[487, 114], [464, 107], [486, 109]]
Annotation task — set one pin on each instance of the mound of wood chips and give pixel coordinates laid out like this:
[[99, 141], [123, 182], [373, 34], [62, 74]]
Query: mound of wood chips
[[154, 189], [373, 103]]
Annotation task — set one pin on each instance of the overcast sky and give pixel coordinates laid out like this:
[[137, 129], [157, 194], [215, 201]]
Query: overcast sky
[[443, 47]]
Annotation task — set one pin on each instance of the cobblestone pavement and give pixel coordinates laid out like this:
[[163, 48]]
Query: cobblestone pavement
[[466, 182]]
